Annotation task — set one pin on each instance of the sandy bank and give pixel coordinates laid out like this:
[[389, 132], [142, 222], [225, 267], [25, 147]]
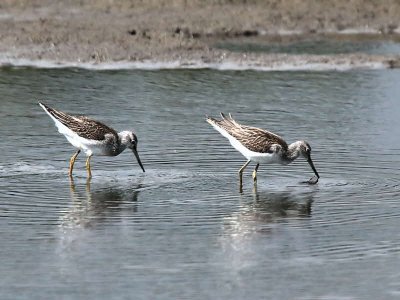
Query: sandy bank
[[105, 31]]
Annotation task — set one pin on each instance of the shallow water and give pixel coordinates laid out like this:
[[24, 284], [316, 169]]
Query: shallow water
[[319, 46], [182, 229]]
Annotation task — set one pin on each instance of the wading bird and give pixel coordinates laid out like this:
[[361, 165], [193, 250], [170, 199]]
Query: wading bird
[[92, 137], [261, 146]]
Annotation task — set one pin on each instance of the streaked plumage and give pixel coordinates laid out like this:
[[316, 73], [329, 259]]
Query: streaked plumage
[[261, 146], [91, 136], [81, 125]]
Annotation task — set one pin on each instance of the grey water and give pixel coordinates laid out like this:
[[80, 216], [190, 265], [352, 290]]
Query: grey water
[[317, 46], [182, 230]]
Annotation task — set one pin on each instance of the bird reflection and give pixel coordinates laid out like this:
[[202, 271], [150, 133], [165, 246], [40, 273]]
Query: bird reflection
[[263, 225], [261, 208], [283, 204], [92, 207]]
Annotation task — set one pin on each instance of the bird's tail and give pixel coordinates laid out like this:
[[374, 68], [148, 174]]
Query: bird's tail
[[211, 120], [42, 105], [228, 120], [47, 109], [223, 126]]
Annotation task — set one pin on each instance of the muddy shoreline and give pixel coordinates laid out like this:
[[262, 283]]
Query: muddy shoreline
[[186, 32]]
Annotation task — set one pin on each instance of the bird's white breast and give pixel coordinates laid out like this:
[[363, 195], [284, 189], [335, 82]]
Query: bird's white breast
[[255, 156]]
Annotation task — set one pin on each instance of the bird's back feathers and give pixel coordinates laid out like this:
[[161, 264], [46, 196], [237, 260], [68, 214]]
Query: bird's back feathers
[[83, 126], [253, 138]]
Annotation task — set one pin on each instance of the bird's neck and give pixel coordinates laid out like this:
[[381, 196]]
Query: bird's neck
[[293, 152]]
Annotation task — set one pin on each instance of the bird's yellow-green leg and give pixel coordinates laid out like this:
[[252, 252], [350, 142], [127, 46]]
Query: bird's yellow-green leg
[[72, 162], [241, 175], [255, 191], [88, 166], [255, 173], [88, 185], [71, 184]]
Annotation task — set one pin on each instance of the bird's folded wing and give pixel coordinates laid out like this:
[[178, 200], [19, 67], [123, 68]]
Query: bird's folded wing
[[83, 126], [254, 139], [258, 140]]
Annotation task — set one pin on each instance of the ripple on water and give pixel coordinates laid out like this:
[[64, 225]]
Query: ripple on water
[[186, 210], [24, 168]]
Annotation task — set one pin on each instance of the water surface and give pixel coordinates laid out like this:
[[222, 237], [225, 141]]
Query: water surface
[[182, 229], [322, 45]]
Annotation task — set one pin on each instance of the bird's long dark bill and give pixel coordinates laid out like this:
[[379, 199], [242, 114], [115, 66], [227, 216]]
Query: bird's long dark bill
[[138, 158], [312, 180]]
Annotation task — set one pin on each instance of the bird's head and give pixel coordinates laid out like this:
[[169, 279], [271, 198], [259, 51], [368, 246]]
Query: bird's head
[[131, 141], [305, 151]]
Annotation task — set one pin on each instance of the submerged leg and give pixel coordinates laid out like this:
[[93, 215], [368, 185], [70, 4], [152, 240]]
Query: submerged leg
[[241, 174], [72, 162], [88, 166], [88, 185], [72, 185], [255, 173]]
